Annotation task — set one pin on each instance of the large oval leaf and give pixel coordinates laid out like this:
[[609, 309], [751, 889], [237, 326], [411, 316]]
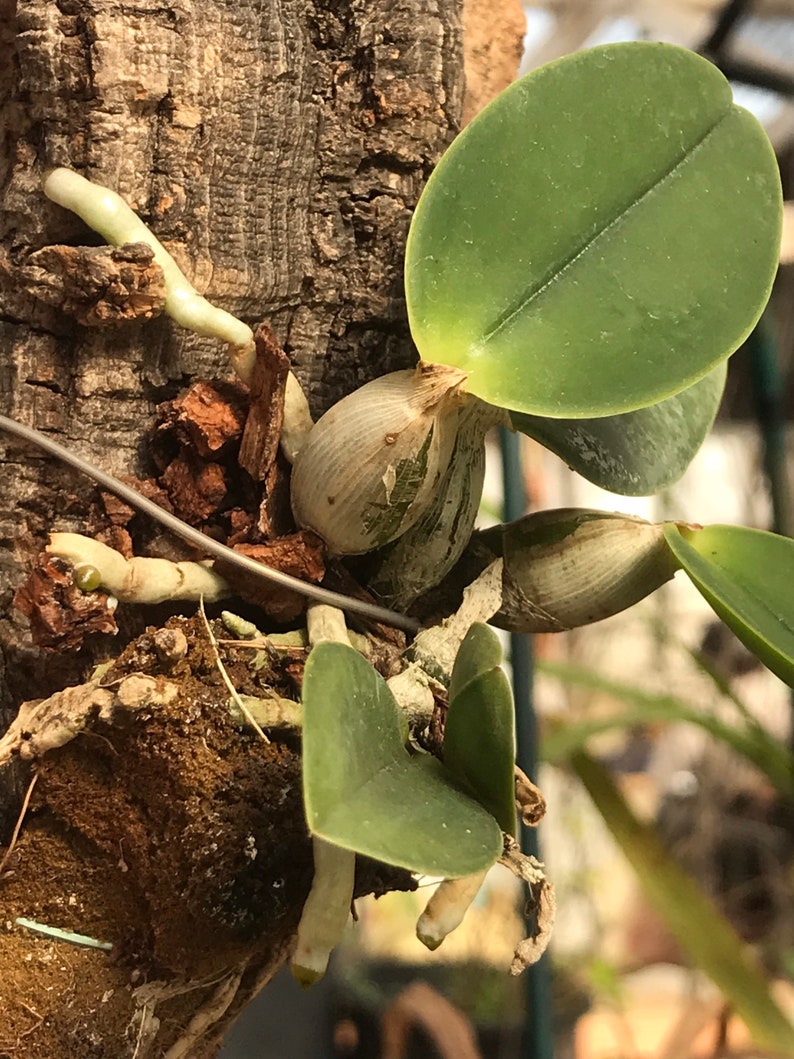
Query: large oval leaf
[[362, 789], [636, 453], [601, 236], [747, 577]]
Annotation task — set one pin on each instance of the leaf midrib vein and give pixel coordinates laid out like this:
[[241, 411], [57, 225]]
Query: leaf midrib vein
[[533, 294]]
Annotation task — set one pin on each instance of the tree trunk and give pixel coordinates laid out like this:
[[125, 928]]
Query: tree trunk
[[277, 149]]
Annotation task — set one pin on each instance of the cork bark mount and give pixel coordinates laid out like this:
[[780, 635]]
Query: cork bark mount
[[277, 150]]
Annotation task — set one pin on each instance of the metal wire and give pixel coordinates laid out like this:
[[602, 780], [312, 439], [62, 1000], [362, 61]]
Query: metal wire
[[201, 540]]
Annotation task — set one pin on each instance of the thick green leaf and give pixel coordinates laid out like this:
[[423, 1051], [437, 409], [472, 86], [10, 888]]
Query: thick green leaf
[[599, 238], [362, 789], [636, 453], [747, 577], [704, 934], [479, 652], [479, 736], [746, 736]]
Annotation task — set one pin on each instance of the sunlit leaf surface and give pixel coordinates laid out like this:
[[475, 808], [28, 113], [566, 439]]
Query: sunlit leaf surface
[[600, 237]]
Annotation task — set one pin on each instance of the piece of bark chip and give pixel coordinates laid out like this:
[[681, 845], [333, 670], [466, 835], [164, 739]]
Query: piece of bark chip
[[266, 415], [211, 416], [275, 511], [61, 616], [120, 513], [195, 488], [98, 285], [301, 554]]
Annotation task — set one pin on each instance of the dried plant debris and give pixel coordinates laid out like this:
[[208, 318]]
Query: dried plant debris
[[61, 615], [218, 450], [195, 487], [194, 447], [113, 510], [209, 418], [541, 908], [274, 518], [45, 724], [242, 526], [260, 455], [530, 950], [97, 285], [266, 413], [301, 554], [530, 802], [121, 514]]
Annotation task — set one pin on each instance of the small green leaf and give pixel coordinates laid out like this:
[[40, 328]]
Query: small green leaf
[[479, 736], [479, 746], [479, 652], [636, 453], [746, 575], [362, 789], [599, 238]]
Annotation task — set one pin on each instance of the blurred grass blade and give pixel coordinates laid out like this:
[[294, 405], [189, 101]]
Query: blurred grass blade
[[664, 636], [747, 738], [703, 934]]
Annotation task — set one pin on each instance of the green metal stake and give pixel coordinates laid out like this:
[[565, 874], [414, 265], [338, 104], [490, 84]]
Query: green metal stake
[[770, 413], [767, 383], [538, 1036]]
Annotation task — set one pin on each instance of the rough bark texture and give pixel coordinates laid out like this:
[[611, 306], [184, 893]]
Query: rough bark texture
[[277, 149]]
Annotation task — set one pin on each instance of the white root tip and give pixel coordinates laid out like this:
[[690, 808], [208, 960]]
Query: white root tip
[[298, 422], [63, 186], [430, 941], [326, 911], [447, 907]]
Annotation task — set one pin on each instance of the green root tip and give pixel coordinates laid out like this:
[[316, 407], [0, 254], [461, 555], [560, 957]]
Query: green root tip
[[429, 941], [306, 977]]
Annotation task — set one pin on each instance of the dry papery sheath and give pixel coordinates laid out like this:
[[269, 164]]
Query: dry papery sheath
[[371, 465]]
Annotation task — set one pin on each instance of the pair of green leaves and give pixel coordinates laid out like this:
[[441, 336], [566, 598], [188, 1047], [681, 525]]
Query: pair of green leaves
[[592, 248], [365, 791]]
